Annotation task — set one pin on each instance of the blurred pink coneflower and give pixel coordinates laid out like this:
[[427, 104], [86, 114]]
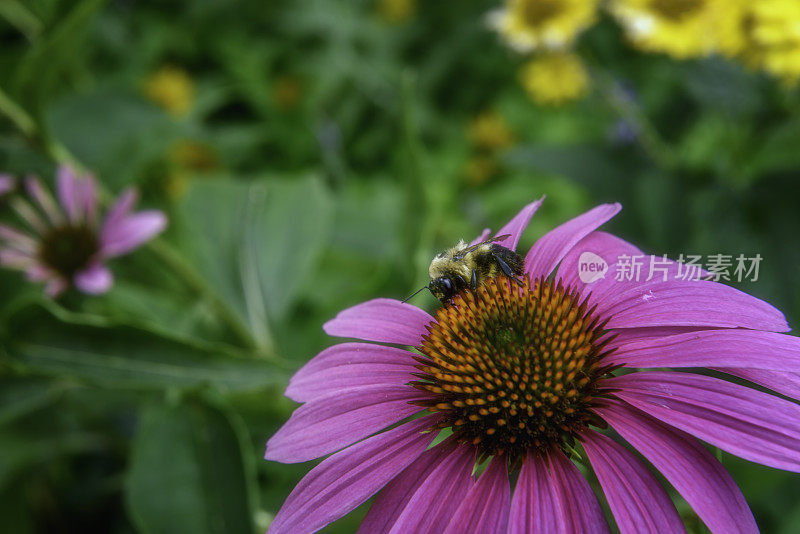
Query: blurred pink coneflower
[[65, 243]]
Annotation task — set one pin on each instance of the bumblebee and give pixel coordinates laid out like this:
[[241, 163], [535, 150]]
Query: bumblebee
[[468, 266]]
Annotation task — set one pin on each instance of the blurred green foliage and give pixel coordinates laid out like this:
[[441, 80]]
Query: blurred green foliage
[[313, 154]]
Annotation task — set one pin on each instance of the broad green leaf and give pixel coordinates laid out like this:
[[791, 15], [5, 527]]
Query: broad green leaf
[[191, 470], [125, 356], [19, 396], [257, 243]]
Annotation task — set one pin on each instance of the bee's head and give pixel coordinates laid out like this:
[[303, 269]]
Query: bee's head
[[443, 288]]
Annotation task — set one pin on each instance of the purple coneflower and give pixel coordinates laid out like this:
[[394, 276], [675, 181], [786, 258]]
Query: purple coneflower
[[66, 244], [530, 378]]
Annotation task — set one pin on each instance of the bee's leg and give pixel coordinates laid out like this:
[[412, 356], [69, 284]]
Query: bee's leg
[[506, 269], [474, 281]]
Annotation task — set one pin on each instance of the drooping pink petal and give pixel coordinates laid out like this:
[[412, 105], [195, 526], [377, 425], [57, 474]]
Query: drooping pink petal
[[55, 286], [43, 199], [68, 188], [40, 273], [431, 503], [393, 499], [635, 496], [580, 510], [18, 240], [481, 238], [487, 504], [751, 349], [551, 248], [784, 383], [381, 320], [553, 496], [748, 423], [533, 506], [351, 365], [327, 424], [16, 259], [623, 336], [517, 225], [29, 215], [348, 478], [94, 280], [700, 303], [126, 234], [687, 465], [7, 183], [121, 208], [87, 198]]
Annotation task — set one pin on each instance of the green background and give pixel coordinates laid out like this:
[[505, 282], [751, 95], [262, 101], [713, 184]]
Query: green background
[[327, 161]]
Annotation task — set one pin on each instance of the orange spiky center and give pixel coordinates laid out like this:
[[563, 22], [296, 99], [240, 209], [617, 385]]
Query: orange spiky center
[[513, 368]]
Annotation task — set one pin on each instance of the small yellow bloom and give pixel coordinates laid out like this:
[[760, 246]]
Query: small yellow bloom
[[680, 28], [396, 11], [555, 78], [543, 24], [171, 88], [490, 131], [772, 37]]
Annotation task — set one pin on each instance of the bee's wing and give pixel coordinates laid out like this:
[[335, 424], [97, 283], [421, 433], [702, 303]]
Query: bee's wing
[[470, 248]]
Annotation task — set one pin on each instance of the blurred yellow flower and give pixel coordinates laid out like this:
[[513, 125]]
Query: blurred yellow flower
[[396, 11], [479, 169], [555, 78], [287, 92], [171, 88], [543, 24], [490, 131], [772, 37], [680, 28]]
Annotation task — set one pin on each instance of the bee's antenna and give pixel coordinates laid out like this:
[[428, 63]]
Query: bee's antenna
[[414, 293]]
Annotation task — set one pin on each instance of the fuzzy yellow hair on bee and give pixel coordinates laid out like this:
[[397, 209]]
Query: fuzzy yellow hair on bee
[[466, 266]]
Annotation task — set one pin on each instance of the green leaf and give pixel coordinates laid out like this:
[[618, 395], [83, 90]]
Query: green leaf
[[257, 243], [19, 397], [191, 471], [123, 356]]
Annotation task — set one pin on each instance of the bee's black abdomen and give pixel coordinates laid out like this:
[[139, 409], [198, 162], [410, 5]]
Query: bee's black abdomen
[[511, 258]]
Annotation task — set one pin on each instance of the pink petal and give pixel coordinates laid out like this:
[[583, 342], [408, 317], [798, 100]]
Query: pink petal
[[16, 259], [553, 496], [327, 424], [94, 280], [55, 286], [382, 320], [351, 365], [784, 383], [393, 499], [687, 465], [636, 498], [551, 248], [29, 215], [87, 197], [431, 502], [121, 236], [348, 478], [517, 225], [580, 510], [713, 348], [43, 199], [40, 273], [754, 425], [18, 240], [7, 183], [533, 507], [487, 504], [700, 303], [121, 208], [69, 192]]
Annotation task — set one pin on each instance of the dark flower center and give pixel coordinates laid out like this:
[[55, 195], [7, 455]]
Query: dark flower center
[[513, 369], [537, 13], [68, 249], [676, 10]]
